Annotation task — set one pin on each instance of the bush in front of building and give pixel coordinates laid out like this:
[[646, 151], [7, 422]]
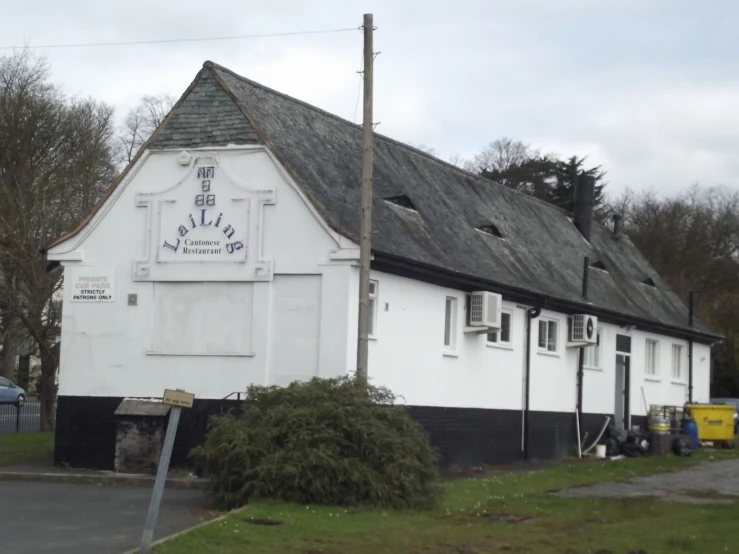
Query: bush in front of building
[[326, 441]]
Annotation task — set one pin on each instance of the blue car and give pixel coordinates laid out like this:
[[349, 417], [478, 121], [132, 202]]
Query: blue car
[[10, 393]]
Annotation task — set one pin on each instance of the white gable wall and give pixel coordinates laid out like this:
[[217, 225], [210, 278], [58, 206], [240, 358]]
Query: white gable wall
[[210, 328]]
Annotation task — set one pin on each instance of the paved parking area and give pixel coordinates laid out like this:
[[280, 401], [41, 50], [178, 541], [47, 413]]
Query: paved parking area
[[61, 518], [703, 484]]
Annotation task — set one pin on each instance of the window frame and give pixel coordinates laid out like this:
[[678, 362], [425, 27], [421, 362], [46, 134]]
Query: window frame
[[373, 297], [548, 321], [498, 343], [451, 313], [655, 373], [679, 359], [596, 349]]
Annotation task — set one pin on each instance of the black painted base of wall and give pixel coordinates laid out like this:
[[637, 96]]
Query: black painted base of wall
[[86, 430], [464, 437]]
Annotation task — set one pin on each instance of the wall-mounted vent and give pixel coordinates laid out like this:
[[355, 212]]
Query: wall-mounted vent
[[490, 229], [649, 282], [599, 265], [403, 201]]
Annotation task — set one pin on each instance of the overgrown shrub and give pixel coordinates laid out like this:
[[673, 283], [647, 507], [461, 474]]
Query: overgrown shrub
[[326, 441]]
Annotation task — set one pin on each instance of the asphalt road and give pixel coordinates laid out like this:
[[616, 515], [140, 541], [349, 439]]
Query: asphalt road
[[45, 518]]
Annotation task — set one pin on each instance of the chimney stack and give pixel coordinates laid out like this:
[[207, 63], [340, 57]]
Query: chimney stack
[[541, 189], [584, 197], [617, 226]]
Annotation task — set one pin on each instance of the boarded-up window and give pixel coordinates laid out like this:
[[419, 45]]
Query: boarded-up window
[[295, 324], [202, 318]]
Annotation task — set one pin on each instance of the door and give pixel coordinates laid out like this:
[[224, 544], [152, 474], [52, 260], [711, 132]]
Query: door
[[620, 388], [622, 412]]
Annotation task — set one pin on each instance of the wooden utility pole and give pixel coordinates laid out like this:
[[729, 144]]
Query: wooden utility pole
[[365, 238]]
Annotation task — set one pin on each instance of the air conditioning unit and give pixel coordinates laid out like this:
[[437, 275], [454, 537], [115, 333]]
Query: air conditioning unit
[[485, 309], [583, 330]]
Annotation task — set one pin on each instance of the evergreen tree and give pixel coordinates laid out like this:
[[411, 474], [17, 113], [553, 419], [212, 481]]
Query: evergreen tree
[[562, 190]]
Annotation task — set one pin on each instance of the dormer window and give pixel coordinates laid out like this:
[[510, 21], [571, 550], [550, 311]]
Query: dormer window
[[403, 201], [490, 229]]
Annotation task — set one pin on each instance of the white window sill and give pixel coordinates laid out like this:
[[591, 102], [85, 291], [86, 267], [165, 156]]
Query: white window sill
[[548, 353], [450, 353], [204, 354], [653, 378], [592, 368], [678, 382], [371, 337], [501, 345]]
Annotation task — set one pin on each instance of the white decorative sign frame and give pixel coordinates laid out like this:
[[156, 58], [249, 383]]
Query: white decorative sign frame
[[225, 215]]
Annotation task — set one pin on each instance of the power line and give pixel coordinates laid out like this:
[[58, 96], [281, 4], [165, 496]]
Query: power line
[[170, 41]]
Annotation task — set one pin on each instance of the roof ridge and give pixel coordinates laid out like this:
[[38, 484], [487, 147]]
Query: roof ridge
[[485, 180]]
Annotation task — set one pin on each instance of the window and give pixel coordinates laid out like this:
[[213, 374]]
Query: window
[[490, 229], [502, 337], [592, 354], [450, 323], [651, 366], [403, 201], [373, 286], [211, 318], [548, 329], [4, 382], [677, 361]]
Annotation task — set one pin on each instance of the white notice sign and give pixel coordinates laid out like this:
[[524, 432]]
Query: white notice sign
[[92, 284]]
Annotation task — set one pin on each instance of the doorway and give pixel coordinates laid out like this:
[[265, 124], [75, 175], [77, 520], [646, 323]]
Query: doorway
[[622, 412]]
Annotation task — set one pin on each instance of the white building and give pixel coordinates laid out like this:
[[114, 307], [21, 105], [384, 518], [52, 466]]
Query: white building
[[226, 255]]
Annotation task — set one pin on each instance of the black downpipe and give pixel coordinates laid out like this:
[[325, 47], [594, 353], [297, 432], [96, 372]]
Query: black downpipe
[[690, 348], [580, 379], [585, 276], [531, 313]]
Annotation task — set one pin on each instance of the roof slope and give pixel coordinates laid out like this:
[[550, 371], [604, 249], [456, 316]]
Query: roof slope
[[541, 251]]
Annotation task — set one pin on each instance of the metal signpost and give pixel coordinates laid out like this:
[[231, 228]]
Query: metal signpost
[[178, 399]]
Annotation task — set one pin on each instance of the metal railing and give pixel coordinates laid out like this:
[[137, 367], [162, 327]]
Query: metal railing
[[19, 419]]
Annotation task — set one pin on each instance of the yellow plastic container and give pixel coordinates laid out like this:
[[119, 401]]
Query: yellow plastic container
[[715, 421]]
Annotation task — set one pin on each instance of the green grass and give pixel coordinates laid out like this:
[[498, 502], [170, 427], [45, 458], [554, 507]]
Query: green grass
[[506, 513], [18, 448]]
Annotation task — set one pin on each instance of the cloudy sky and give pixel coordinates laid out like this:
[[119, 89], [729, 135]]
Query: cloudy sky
[[649, 88]]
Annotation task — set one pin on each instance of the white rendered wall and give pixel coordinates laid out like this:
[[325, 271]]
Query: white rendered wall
[[408, 356], [296, 327]]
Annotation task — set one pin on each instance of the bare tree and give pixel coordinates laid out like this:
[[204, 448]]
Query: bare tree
[[460, 161], [141, 122], [56, 157], [692, 240], [503, 154]]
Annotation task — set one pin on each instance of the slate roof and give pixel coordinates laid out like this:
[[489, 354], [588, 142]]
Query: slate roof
[[205, 117], [541, 252]]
